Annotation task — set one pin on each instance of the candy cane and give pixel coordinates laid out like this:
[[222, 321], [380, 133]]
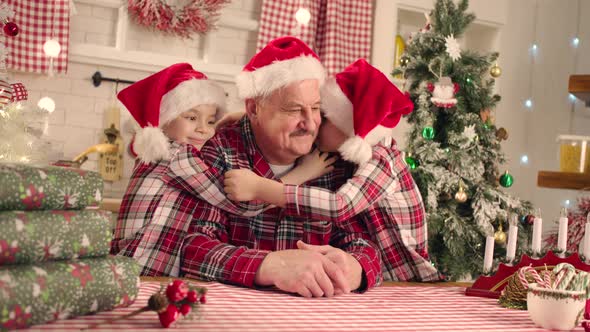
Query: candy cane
[[522, 276], [564, 274]]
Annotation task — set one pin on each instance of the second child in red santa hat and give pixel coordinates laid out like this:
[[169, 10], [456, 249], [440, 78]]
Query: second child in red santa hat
[[360, 108]]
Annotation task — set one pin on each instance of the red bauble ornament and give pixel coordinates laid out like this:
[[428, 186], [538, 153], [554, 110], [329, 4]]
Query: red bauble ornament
[[185, 309], [191, 296], [10, 29], [176, 291], [168, 316]]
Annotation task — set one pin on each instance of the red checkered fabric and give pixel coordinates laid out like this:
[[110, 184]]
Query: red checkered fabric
[[19, 92], [36, 20], [339, 31]]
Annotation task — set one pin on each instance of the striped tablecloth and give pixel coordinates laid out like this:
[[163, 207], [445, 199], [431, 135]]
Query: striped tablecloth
[[231, 308]]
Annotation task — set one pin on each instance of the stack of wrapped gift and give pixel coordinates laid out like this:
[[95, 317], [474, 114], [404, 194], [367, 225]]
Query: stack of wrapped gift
[[54, 245]]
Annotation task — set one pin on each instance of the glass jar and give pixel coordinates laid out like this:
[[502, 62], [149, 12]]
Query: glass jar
[[574, 153]]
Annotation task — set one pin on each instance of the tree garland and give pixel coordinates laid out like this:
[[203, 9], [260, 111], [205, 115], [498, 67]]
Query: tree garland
[[195, 16]]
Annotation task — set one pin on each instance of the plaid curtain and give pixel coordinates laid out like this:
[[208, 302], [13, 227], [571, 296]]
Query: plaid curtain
[[38, 21], [339, 30]]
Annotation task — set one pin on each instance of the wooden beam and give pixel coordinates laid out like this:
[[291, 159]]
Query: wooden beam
[[562, 180], [579, 86]]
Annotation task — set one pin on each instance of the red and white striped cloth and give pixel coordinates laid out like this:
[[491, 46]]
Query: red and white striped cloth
[[339, 31], [37, 19], [230, 308]]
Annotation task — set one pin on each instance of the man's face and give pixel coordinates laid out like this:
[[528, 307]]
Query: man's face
[[286, 123]]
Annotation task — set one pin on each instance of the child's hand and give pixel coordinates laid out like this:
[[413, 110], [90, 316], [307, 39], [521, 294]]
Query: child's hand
[[314, 165], [228, 119], [241, 184]]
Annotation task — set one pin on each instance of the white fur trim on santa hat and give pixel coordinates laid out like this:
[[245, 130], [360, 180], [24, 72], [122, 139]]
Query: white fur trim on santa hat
[[151, 145], [358, 150], [189, 94], [262, 81], [336, 107]]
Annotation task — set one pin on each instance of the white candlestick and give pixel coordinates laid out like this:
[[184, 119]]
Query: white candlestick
[[512, 237], [537, 231], [562, 235], [488, 258], [587, 239]]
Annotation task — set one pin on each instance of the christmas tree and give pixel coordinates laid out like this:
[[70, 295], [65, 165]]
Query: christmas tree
[[454, 146]]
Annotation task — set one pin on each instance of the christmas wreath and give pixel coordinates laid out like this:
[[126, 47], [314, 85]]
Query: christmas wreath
[[182, 19]]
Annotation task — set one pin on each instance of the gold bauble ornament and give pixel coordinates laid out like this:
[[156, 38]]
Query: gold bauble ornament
[[501, 134], [500, 235], [461, 195], [495, 71]]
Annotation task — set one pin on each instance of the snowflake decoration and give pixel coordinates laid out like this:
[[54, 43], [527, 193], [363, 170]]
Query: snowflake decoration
[[453, 47], [469, 132]]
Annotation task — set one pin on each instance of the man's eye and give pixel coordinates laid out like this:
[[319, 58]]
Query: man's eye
[[192, 118], [315, 109]]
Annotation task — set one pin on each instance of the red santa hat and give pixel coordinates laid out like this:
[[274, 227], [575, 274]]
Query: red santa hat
[[159, 99], [283, 61], [365, 105]]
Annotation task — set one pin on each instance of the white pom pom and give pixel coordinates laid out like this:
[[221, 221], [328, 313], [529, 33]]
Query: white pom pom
[[356, 150], [151, 145]]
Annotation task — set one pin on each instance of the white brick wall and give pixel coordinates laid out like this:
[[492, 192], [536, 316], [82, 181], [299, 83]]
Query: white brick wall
[[79, 120]]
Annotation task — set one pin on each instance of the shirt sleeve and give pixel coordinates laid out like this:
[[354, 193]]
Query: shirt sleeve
[[370, 183], [354, 240], [188, 172], [206, 254]]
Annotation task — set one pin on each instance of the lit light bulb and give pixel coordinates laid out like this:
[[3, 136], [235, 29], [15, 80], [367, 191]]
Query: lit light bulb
[[302, 16], [572, 98], [575, 41], [47, 104], [567, 203], [524, 159], [534, 47], [52, 48], [528, 103]]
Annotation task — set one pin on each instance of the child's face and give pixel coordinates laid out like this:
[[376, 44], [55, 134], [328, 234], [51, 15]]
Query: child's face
[[330, 138], [194, 126]]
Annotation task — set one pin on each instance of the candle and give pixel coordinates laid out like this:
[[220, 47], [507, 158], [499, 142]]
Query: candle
[[537, 230], [489, 254], [587, 238], [562, 235], [512, 237]]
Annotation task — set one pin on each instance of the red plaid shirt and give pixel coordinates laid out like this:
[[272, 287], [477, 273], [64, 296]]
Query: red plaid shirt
[[384, 197], [230, 248]]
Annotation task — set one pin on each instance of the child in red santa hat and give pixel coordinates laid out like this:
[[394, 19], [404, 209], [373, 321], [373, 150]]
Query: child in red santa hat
[[177, 109], [360, 108]]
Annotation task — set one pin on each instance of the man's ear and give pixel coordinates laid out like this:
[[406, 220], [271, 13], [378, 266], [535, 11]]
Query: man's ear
[[251, 110]]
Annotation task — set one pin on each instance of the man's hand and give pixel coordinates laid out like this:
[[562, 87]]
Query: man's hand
[[351, 268], [241, 184], [304, 272]]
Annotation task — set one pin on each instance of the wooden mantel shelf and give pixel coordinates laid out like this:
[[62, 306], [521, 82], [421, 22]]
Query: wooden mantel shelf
[[579, 86], [562, 180]]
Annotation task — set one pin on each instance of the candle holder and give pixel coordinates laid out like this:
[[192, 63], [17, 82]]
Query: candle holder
[[492, 285]]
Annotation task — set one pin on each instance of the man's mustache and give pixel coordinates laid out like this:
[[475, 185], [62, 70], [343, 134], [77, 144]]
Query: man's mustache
[[302, 133]]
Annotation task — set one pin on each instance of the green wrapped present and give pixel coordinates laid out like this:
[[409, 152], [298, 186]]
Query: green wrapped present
[[26, 187], [37, 236], [40, 293]]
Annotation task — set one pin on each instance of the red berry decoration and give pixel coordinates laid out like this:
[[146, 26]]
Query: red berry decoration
[[176, 291], [168, 316], [191, 296], [10, 29], [185, 309], [203, 300]]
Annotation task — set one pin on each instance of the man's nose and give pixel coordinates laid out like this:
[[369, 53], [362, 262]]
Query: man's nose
[[307, 120]]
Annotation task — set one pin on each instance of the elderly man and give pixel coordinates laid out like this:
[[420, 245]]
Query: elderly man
[[309, 257]]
